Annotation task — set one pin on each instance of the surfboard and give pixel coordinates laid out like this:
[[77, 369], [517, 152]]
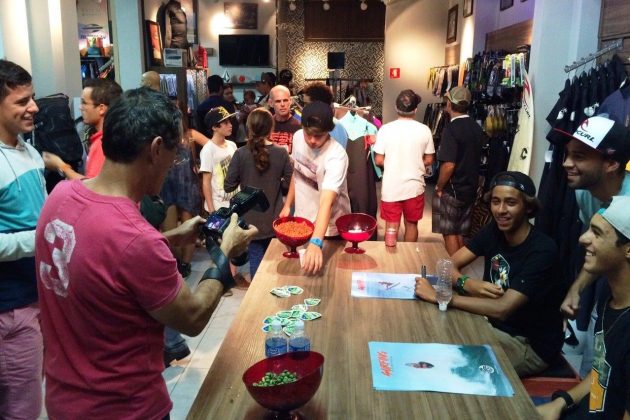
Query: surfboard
[[521, 153]]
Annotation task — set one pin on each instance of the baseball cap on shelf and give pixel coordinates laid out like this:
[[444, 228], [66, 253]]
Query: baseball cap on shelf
[[459, 94], [268, 78], [515, 179], [617, 214], [318, 114], [216, 116], [604, 135], [407, 101]]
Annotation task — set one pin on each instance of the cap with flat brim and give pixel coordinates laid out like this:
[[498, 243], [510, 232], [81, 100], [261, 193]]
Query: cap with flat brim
[[514, 179], [604, 135], [617, 214], [217, 116], [319, 115]]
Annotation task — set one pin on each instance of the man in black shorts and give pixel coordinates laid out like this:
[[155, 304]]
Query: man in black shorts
[[459, 155]]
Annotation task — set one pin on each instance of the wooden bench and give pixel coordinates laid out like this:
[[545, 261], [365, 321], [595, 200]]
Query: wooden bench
[[559, 375]]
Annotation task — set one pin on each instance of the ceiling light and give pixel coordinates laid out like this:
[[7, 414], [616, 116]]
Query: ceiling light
[[326, 6], [364, 5], [292, 5]]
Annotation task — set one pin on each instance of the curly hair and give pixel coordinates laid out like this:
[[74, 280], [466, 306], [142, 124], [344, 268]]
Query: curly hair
[[259, 126]]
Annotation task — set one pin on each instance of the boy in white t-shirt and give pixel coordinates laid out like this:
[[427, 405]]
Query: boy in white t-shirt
[[215, 159], [318, 185]]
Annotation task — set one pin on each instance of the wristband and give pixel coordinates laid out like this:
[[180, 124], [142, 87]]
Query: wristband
[[317, 242], [222, 271], [459, 285], [560, 393]]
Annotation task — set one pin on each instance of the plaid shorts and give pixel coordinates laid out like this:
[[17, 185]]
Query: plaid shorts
[[450, 216]]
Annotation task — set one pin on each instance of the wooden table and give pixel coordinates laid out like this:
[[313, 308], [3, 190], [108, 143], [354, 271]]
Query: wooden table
[[342, 336]]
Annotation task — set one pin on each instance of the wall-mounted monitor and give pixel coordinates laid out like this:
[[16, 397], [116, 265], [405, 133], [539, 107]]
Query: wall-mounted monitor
[[336, 60], [244, 50]]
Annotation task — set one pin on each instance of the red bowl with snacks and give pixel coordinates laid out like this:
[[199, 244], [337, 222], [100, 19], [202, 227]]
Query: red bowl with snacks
[[293, 231], [306, 366]]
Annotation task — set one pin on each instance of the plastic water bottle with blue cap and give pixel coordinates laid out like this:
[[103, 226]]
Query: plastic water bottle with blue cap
[[444, 285]]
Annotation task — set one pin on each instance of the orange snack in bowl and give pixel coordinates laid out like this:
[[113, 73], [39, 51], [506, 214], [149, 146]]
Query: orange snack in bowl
[[294, 229]]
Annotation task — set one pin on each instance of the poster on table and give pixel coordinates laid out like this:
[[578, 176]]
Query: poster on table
[[451, 368], [385, 285]]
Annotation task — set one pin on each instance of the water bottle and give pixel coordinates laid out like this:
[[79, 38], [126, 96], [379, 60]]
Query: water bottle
[[276, 341], [444, 285], [299, 341]]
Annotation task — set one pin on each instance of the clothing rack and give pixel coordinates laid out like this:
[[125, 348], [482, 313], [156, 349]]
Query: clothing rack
[[614, 46]]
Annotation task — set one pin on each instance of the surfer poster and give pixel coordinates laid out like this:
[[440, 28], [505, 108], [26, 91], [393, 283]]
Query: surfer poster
[[385, 285], [451, 368]]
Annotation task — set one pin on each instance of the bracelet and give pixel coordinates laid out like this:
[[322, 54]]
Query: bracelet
[[459, 285], [565, 396], [317, 242]]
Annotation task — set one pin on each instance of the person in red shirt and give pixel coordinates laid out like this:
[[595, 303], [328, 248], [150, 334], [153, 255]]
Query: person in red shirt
[[107, 280], [97, 96]]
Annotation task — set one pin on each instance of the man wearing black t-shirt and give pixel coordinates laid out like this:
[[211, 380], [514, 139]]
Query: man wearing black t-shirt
[[459, 155], [605, 392], [519, 292], [285, 123]]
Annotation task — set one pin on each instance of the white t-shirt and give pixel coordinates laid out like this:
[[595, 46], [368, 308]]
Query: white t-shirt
[[404, 142], [215, 160], [316, 170]]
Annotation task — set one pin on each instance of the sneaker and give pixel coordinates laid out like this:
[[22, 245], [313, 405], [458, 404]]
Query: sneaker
[[184, 269], [171, 356]]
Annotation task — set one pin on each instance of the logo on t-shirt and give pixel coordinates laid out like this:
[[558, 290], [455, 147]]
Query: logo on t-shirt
[[600, 375], [220, 172], [61, 238], [500, 271], [283, 139]]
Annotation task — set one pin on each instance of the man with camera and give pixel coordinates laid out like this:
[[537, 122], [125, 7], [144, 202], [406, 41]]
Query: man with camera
[[107, 281]]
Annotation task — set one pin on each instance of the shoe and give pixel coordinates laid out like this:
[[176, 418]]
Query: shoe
[[241, 282], [184, 269], [171, 356]]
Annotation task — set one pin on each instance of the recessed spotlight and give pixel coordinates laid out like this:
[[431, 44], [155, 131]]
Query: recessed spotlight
[[292, 5], [326, 6], [364, 5]]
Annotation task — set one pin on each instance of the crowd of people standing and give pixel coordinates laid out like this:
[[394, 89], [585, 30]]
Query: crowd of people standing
[[108, 251]]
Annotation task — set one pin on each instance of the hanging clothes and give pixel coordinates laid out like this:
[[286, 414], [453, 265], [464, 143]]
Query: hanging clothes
[[361, 176]]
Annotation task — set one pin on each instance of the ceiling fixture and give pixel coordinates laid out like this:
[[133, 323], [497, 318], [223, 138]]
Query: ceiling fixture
[[292, 5], [364, 5], [326, 6]]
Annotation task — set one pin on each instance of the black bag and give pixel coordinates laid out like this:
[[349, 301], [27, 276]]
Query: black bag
[[55, 130]]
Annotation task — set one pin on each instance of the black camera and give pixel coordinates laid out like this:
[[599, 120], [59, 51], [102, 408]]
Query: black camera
[[248, 198]]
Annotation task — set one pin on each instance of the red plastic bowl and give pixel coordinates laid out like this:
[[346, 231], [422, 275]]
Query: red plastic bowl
[[308, 365], [356, 227], [292, 241]]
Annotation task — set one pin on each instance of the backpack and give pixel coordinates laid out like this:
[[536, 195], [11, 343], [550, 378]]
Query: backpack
[[55, 130]]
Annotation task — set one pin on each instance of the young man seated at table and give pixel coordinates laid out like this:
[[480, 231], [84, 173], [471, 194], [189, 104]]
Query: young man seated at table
[[318, 185], [605, 392], [519, 292]]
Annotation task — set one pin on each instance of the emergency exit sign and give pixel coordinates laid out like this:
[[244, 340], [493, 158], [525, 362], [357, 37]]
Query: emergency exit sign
[[394, 72]]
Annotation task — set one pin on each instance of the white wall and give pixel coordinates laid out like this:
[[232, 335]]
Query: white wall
[[128, 43], [210, 25], [488, 18], [13, 20], [415, 36]]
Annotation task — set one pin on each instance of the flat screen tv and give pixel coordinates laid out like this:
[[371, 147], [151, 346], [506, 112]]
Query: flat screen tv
[[244, 50]]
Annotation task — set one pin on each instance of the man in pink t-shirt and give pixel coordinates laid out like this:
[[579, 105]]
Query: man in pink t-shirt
[[107, 281], [97, 96]]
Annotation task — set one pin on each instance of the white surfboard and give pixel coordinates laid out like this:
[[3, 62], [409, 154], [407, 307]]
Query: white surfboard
[[521, 153]]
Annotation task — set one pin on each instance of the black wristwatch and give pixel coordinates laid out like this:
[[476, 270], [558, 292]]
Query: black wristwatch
[[565, 396]]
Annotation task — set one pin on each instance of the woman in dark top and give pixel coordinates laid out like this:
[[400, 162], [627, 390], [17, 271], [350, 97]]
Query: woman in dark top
[[262, 165]]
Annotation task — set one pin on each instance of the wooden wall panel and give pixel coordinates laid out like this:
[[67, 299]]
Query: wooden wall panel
[[345, 21], [615, 19], [510, 37]]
